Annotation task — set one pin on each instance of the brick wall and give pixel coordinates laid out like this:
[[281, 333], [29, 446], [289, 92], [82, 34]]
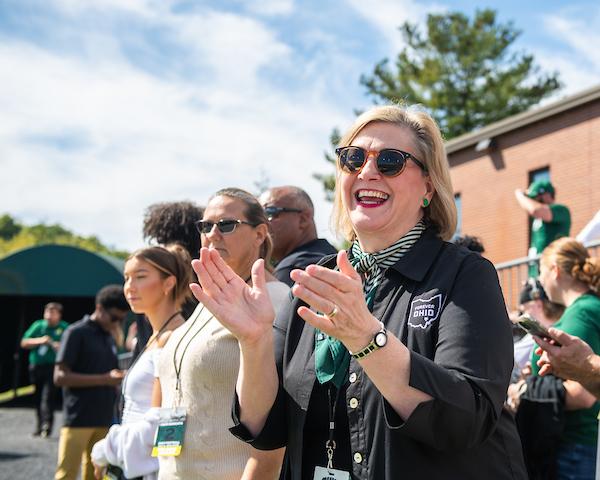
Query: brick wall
[[567, 143]]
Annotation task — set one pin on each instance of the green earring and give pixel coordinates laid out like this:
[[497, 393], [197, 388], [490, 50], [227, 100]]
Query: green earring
[[425, 202]]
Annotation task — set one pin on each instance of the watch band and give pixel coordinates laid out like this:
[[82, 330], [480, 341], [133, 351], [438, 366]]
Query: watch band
[[371, 347]]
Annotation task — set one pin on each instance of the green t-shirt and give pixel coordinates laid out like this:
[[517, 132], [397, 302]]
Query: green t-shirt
[[582, 319], [44, 354], [544, 233]]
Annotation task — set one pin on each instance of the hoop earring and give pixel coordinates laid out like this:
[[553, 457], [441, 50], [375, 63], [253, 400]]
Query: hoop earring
[[425, 202]]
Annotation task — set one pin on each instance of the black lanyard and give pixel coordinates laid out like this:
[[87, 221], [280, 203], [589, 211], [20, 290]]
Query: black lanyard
[[156, 337], [331, 408], [178, 368]]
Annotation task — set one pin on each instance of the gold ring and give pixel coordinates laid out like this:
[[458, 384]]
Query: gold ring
[[333, 312]]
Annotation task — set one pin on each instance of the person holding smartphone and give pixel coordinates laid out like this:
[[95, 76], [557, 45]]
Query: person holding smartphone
[[571, 358], [87, 370], [571, 278], [534, 302]]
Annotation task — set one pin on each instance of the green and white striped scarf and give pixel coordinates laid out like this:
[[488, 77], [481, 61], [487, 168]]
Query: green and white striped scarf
[[331, 357]]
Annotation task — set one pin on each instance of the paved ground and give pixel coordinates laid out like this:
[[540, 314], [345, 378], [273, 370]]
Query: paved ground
[[21, 456]]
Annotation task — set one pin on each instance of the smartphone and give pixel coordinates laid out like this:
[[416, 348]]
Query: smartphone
[[532, 326]]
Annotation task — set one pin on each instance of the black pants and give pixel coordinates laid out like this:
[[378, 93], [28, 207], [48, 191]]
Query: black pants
[[45, 395]]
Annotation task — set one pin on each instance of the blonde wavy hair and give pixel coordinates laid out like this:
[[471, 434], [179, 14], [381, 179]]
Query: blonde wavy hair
[[441, 212], [573, 258]]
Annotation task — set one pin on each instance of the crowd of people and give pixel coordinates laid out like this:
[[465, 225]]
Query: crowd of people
[[260, 351]]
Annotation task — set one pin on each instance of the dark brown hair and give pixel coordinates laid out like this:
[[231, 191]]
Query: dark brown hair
[[173, 222], [172, 260], [54, 306]]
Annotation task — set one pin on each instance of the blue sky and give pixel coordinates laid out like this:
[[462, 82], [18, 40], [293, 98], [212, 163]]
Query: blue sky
[[107, 106]]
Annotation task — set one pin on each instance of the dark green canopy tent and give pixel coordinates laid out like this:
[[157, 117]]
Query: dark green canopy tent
[[32, 277], [58, 270]]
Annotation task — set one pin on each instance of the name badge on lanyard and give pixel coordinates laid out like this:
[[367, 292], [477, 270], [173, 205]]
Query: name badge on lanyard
[[330, 473], [168, 439], [322, 473]]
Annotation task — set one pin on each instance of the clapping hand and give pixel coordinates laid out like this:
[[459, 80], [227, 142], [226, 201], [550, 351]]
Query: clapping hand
[[340, 295], [246, 311]]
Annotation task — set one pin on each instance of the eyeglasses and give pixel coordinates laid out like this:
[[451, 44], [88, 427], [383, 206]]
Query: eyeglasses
[[390, 162], [273, 211], [224, 226]]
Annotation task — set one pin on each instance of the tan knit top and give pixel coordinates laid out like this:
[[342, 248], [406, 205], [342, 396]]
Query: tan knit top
[[208, 375]]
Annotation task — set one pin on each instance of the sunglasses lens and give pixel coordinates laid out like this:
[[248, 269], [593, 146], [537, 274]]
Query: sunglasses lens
[[390, 163], [204, 227], [351, 159], [227, 226], [271, 212]]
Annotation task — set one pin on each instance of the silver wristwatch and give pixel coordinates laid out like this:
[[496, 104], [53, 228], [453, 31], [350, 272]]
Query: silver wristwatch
[[379, 341]]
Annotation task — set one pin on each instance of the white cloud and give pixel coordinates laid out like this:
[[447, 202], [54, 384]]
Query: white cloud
[[581, 35], [146, 138], [388, 15], [271, 7], [146, 8], [142, 102], [235, 48], [578, 59]]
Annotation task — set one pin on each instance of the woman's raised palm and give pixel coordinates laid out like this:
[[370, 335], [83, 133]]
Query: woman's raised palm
[[247, 312]]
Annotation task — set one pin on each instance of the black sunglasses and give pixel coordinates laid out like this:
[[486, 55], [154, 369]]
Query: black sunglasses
[[390, 162], [224, 226], [273, 211]]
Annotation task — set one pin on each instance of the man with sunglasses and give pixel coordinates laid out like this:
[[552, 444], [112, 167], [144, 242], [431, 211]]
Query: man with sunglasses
[[87, 369], [549, 220], [295, 243]]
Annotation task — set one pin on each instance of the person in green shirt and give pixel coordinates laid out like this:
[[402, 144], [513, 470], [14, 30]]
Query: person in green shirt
[[550, 220], [571, 358], [571, 278], [42, 339]]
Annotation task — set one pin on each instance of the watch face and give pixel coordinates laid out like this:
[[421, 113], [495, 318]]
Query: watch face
[[380, 339]]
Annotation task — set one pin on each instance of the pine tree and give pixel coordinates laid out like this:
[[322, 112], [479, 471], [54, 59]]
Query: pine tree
[[463, 71]]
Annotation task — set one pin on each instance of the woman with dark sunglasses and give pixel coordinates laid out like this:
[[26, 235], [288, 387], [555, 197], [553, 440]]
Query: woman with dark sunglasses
[[198, 367], [393, 359]]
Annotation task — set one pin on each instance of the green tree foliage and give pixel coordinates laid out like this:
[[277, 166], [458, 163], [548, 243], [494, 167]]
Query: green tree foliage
[[462, 70], [328, 180], [14, 236], [8, 227]]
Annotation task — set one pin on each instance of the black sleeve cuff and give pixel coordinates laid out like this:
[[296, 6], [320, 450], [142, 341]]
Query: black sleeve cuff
[[274, 433], [447, 421]]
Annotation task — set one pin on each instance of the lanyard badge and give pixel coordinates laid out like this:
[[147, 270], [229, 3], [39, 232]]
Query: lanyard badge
[[168, 440], [330, 473], [322, 473]]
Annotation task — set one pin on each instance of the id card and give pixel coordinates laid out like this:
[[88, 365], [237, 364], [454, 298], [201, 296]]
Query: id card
[[168, 439], [322, 473]]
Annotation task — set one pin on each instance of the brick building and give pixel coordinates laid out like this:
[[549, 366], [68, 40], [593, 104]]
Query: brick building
[[559, 141]]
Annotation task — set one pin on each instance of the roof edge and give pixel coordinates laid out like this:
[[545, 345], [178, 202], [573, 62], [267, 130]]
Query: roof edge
[[116, 262], [522, 119]]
